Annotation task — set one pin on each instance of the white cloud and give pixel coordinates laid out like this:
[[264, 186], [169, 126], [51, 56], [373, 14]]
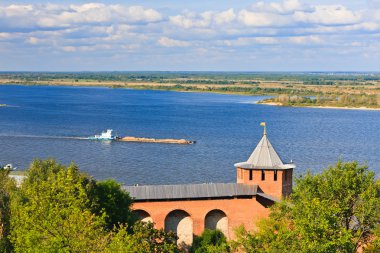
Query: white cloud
[[287, 6], [181, 21], [33, 40], [113, 29], [89, 48], [168, 42], [328, 15], [190, 20], [225, 16], [261, 19], [204, 19], [4, 36], [16, 10], [251, 41], [312, 39], [69, 49], [266, 40], [51, 15]]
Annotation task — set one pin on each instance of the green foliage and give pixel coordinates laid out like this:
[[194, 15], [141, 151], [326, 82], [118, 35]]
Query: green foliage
[[211, 241], [275, 234], [6, 186], [344, 204], [144, 238], [324, 99], [112, 201], [60, 209], [50, 212], [336, 211]]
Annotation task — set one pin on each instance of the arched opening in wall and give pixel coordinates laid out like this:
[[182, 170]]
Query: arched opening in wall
[[180, 222], [142, 215], [217, 219]]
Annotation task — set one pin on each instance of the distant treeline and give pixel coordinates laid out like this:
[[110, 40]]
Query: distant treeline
[[254, 90], [349, 100], [319, 78]]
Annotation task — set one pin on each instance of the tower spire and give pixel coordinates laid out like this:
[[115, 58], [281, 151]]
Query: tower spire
[[263, 124]]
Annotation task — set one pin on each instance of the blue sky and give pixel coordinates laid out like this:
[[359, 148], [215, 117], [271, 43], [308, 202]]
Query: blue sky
[[225, 35]]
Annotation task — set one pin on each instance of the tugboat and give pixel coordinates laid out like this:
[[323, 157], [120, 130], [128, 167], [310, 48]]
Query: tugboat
[[105, 136]]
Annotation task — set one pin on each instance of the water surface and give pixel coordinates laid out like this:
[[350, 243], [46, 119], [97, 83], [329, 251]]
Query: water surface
[[226, 128]]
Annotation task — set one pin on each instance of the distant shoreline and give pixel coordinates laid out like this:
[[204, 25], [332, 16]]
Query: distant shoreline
[[136, 86], [200, 88], [321, 107]]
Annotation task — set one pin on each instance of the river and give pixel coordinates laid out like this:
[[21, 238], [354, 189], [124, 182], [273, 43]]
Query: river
[[226, 128]]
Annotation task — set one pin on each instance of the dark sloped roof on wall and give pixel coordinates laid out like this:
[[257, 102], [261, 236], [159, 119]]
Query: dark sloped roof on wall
[[190, 191]]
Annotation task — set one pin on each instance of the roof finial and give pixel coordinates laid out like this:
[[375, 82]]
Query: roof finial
[[263, 124]]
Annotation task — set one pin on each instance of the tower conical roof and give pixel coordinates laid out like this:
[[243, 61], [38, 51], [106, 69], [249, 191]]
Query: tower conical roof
[[264, 157]]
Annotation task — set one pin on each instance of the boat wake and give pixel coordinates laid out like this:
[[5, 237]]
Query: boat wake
[[45, 137]]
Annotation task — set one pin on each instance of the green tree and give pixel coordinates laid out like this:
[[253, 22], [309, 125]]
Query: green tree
[[6, 186], [275, 234], [50, 212], [335, 211], [143, 238], [210, 241], [109, 199]]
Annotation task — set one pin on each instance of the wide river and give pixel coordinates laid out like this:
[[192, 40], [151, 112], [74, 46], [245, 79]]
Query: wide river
[[226, 128]]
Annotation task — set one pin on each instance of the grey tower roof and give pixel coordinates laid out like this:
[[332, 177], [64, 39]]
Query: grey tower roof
[[264, 157]]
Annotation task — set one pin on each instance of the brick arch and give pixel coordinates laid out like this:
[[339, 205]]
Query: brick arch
[[217, 219], [181, 223], [143, 215]]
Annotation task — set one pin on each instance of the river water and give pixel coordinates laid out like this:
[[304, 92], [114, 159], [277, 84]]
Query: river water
[[226, 128]]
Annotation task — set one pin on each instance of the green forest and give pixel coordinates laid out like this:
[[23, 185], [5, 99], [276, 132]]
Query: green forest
[[58, 208]]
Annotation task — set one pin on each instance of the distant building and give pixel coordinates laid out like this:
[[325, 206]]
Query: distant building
[[190, 208]]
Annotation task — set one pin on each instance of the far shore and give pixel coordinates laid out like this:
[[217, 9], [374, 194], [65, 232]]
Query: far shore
[[135, 86], [321, 107], [201, 88]]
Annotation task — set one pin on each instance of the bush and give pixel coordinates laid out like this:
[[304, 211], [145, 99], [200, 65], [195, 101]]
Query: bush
[[210, 241]]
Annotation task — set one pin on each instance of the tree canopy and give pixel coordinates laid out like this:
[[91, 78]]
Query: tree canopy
[[60, 209], [109, 199], [51, 212], [6, 186]]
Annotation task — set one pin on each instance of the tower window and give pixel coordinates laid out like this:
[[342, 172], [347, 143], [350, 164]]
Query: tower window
[[250, 174], [262, 175], [275, 175]]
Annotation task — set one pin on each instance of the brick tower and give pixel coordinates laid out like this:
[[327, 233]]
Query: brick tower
[[265, 168]]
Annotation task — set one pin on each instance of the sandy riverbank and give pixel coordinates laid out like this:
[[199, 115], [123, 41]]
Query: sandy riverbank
[[323, 107]]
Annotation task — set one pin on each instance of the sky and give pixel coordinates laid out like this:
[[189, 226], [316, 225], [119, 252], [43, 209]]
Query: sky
[[207, 35]]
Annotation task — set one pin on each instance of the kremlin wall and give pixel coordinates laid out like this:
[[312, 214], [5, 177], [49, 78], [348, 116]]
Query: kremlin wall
[[188, 209]]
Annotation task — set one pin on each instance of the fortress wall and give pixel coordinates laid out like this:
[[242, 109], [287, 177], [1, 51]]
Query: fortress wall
[[237, 211]]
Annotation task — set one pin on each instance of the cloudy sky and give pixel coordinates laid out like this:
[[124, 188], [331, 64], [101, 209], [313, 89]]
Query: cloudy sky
[[225, 35]]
